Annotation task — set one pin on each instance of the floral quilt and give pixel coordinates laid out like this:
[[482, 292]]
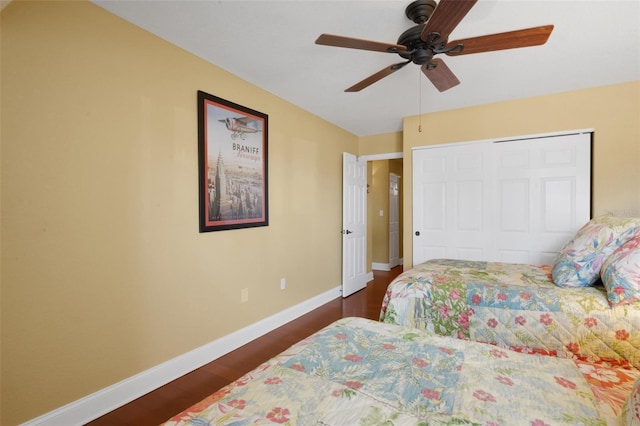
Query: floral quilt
[[362, 372], [515, 306]]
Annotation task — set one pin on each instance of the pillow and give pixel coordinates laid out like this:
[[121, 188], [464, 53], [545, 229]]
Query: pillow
[[578, 263], [621, 273], [631, 409]]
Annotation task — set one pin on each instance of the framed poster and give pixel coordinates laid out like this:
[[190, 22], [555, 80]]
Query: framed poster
[[232, 156]]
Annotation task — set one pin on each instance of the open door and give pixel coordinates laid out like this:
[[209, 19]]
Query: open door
[[354, 224]]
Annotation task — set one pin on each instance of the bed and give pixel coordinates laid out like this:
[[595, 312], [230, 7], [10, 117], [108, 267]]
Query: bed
[[586, 305], [362, 372]]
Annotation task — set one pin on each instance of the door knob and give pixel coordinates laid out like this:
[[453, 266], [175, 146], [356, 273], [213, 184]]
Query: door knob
[[347, 232], [417, 233]]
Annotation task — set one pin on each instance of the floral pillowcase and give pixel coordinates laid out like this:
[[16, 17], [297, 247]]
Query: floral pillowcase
[[631, 408], [621, 273], [579, 262]]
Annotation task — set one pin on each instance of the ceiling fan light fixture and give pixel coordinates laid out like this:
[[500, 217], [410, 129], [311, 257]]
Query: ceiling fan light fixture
[[421, 56]]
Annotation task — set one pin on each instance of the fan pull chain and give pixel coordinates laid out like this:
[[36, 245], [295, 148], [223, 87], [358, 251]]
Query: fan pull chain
[[419, 103]]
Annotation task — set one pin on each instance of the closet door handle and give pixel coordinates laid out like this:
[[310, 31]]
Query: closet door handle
[[417, 233]]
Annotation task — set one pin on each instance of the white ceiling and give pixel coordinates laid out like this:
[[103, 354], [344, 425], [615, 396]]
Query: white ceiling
[[271, 44]]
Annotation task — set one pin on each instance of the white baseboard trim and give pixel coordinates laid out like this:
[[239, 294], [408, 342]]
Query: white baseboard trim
[[108, 399], [384, 266], [380, 266]]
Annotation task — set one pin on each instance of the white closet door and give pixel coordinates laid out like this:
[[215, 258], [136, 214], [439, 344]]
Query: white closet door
[[451, 202], [542, 189]]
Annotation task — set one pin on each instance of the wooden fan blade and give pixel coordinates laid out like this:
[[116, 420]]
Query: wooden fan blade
[[356, 43], [375, 77], [501, 41], [440, 75], [446, 17]]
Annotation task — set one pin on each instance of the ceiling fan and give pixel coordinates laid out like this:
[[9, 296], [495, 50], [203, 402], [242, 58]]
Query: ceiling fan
[[430, 37]]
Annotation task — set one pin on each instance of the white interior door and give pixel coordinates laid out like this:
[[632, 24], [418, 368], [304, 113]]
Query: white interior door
[[394, 220], [354, 224]]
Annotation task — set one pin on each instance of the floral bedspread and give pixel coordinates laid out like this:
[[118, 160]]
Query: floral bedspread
[[362, 372], [515, 306]]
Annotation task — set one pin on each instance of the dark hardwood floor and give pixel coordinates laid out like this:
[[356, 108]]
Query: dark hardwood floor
[[172, 398]]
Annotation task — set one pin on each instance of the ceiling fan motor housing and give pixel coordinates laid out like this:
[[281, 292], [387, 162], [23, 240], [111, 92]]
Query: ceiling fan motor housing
[[418, 51]]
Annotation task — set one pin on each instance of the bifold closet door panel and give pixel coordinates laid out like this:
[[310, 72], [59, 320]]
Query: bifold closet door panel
[[452, 194], [542, 190]]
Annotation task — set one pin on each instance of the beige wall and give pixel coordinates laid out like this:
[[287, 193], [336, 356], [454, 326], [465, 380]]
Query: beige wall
[[384, 143], [369, 216], [104, 273], [612, 111]]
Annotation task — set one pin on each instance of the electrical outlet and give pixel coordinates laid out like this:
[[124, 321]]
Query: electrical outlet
[[283, 283], [244, 295]]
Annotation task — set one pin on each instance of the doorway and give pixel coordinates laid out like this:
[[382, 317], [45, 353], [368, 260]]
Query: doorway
[[384, 212]]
